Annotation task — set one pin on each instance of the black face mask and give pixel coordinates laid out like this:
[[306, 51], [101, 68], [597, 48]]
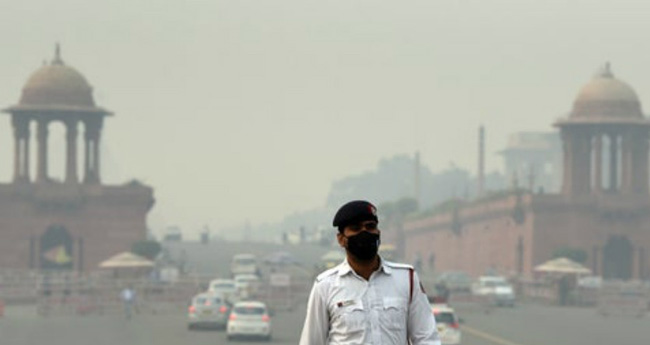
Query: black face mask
[[364, 245]]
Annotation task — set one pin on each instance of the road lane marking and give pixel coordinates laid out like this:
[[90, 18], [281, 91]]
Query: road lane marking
[[487, 336]]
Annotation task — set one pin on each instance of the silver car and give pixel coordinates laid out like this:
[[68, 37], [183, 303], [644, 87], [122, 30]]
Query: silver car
[[208, 310], [249, 319]]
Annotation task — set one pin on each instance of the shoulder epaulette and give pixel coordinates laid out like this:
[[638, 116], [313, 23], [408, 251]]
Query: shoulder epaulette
[[398, 265]]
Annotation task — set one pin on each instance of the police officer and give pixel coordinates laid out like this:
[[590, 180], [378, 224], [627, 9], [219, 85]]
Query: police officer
[[365, 299]]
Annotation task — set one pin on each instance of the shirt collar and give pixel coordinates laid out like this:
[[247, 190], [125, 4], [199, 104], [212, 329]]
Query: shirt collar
[[345, 268]]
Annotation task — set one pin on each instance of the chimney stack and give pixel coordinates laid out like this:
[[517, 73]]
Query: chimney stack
[[481, 162]]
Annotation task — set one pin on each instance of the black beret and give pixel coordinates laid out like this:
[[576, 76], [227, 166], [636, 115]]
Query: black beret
[[355, 212]]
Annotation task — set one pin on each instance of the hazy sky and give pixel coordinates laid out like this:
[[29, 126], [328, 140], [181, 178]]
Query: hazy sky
[[236, 110]]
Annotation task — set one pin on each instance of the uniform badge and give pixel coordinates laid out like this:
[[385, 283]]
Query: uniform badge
[[344, 303]]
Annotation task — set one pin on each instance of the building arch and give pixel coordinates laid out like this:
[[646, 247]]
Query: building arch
[[56, 246]]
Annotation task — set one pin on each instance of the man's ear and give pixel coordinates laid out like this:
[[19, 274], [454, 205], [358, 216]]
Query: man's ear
[[341, 239]]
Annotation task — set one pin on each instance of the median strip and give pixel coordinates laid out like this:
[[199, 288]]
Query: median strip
[[487, 336]]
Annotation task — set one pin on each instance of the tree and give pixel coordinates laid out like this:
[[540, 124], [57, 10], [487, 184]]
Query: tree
[[575, 254], [147, 249]]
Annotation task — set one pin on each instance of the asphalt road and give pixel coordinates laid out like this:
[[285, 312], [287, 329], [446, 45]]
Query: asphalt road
[[524, 325]]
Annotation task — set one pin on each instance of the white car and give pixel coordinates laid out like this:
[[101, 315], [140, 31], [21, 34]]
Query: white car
[[226, 288], [249, 319], [497, 289], [243, 264], [247, 285], [447, 323], [208, 310]]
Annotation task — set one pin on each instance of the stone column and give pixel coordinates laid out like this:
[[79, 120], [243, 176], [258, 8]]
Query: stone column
[[25, 154], [613, 163], [86, 157], [42, 132], [21, 148], [639, 162], [92, 135], [598, 163], [71, 152], [626, 162], [581, 162], [96, 157], [18, 173], [567, 171]]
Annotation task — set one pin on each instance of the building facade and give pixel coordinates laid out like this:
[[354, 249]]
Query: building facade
[[76, 223], [603, 208], [535, 159]]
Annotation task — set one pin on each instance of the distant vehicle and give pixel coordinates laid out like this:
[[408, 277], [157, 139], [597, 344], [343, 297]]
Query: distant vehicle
[[497, 289], [590, 282], [247, 285], [225, 288], [447, 323], [455, 281], [243, 264], [249, 319], [173, 234], [208, 310]]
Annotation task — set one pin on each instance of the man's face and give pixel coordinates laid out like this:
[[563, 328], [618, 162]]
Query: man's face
[[354, 229]]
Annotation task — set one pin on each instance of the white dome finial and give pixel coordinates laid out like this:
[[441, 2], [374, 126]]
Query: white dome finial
[[606, 71], [57, 55]]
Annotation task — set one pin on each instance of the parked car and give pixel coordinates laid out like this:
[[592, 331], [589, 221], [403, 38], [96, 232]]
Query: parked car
[[225, 288], [497, 289], [249, 320], [447, 323], [244, 264], [208, 310]]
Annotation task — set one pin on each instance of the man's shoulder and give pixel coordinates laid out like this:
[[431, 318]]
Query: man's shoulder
[[328, 274]]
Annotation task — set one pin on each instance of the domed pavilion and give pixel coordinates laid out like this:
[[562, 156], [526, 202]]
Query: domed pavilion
[[78, 222], [602, 211]]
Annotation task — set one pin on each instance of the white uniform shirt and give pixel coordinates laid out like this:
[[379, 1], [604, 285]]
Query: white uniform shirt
[[344, 308], [128, 295]]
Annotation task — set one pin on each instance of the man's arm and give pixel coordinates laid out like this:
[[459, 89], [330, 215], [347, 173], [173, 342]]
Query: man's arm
[[316, 327], [421, 324]]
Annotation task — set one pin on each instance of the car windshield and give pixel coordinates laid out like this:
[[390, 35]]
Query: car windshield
[[250, 311], [244, 262], [495, 283], [223, 286], [207, 300]]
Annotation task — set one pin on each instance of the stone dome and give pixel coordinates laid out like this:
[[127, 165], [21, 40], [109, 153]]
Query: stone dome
[[57, 85], [606, 97]]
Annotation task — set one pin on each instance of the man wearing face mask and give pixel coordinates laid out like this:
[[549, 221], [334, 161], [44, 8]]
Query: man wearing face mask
[[367, 300]]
